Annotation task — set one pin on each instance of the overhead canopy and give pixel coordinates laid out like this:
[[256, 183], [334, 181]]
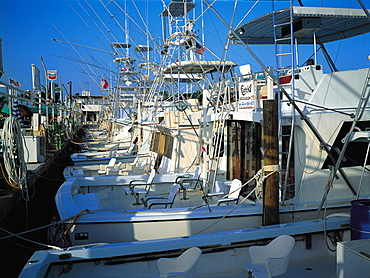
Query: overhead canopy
[[120, 45], [125, 59], [178, 8], [199, 67], [182, 77], [143, 48], [328, 24]]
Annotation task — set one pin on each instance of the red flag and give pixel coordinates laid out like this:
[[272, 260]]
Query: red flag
[[104, 83], [199, 49]]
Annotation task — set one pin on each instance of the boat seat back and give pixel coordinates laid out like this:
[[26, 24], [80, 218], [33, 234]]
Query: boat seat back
[[151, 177], [164, 167], [236, 186], [114, 171], [233, 196], [182, 266], [112, 162], [159, 200], [272, 259]]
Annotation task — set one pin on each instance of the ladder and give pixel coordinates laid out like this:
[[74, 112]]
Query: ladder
[[286, 122], [217, 135]]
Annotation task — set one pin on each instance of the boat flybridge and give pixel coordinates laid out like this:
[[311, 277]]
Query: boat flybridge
[[315, 112], [319, 164]]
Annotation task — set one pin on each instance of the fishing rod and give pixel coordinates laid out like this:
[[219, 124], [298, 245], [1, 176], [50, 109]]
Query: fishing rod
[[85, 46]]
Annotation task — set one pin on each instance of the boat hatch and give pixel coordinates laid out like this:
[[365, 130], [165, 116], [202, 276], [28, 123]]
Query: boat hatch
[[178, 8]]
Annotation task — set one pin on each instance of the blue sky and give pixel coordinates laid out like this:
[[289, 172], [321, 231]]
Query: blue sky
[[28, 27]]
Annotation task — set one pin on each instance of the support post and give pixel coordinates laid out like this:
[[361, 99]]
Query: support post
[[271, 157]]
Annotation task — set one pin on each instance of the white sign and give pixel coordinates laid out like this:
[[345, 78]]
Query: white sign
[[52, 74], [36, 79], [246, 95]]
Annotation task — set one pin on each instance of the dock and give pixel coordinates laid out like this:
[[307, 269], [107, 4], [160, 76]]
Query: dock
[[20, 213]]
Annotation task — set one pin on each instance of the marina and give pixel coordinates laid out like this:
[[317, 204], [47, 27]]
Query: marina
[[190, 163]]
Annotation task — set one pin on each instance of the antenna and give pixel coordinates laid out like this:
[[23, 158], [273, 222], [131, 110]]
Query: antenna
[[1, 58]]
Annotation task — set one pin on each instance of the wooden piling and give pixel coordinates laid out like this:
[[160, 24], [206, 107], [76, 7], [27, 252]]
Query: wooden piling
[[271, 157]]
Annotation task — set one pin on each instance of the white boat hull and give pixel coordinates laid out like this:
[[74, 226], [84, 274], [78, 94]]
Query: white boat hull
[[223, 254], [88, 203]]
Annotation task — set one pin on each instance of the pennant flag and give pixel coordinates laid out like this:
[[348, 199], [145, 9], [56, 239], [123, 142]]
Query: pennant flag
[[104, 83], [199, 49], [14, 83]]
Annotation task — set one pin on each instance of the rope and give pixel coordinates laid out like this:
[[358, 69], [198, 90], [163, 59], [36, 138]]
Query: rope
[[18, 235], [76, 143], [259, 177], [13, 155], [32, 241], [75, 218]]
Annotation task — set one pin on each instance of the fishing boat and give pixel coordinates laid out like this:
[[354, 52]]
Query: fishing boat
[[322, 121], [93, 158], [126, 164], [313, 249], [320, 153]]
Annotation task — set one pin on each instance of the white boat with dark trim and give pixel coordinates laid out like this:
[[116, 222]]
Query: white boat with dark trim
[[317, 250], [320, 150]]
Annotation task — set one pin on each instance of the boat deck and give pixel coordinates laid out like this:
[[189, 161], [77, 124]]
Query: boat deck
[[194, 198], [191, 198], [322, 266]]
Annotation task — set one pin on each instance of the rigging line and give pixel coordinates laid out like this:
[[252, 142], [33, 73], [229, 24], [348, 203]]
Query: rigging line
[[32, 241], [250, 10], [126, 23], [98, 37], [326, 108], [327, 57], [142, 19], [221, 19], [226, 46], [73, 218], [125, 29], [102, 66], [208, 7], [78, 61], [80, 57], [141, 29], [364, 8], [106, 27], [85, 46]]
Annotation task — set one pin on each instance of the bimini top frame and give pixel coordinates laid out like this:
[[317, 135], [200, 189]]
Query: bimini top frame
[[326, 24]]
